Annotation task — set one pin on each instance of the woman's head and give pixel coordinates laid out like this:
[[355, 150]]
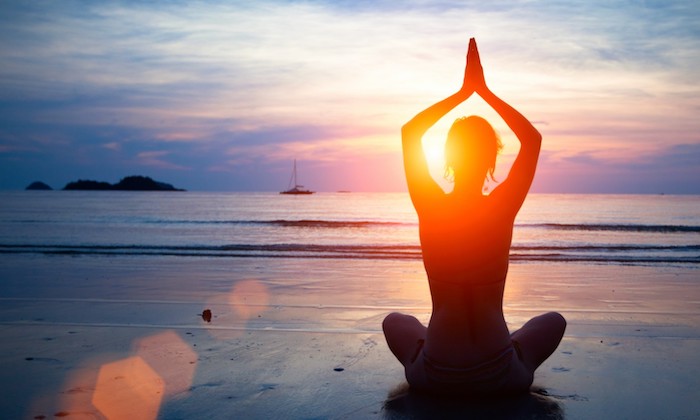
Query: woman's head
[[471, 149]]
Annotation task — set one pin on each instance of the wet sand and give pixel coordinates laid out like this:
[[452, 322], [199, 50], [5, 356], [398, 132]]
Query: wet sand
[[91, 337]]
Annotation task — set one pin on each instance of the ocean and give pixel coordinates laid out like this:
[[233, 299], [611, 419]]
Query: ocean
[[296, 289], [609, 229]]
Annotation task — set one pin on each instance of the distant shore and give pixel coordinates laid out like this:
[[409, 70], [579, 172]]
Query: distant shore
[[129, 183]]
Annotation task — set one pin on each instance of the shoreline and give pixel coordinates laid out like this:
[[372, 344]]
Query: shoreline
[[292, 339]]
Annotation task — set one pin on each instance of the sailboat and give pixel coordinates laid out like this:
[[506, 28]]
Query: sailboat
[[296, 189]]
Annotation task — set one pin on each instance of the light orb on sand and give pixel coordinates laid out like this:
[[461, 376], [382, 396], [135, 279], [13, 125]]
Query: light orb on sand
[[128, 389], [171, 358], [233, 311]]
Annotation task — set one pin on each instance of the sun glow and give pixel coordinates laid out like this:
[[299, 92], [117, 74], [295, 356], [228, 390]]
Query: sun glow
[[434, 151]]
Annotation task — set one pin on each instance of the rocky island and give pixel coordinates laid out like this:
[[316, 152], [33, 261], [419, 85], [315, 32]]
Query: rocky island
[[130, 183], [38, 186]]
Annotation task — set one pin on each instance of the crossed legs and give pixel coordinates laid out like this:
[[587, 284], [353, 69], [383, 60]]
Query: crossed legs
[[539, 337], [402, 333], [536, 340]]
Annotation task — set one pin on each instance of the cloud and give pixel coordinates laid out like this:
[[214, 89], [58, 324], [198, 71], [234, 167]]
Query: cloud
[[671, 169], [156, 159], [115, 146], [263, 82]]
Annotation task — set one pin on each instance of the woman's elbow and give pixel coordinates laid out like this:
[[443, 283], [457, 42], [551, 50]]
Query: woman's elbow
[[534, 141], [406, 130], [537, 137], [409, 134]]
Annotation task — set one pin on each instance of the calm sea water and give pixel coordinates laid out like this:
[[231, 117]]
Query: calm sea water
[[614, 229]]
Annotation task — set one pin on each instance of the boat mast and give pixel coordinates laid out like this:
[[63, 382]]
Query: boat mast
[[294, 173], [293, 179], [293, 187]]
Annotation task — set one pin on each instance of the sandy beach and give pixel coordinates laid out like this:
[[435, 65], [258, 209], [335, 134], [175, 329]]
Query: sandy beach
[[94, 337]]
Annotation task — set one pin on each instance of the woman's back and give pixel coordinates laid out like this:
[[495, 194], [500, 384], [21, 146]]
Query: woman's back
[[465, 248], [465, 241]]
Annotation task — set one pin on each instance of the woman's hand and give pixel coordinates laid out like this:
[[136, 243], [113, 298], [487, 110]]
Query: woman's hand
[[473, 73]]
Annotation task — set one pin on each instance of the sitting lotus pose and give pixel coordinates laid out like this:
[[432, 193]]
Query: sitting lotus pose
[[465, 237]]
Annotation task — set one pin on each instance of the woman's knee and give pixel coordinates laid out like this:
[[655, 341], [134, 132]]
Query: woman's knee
[[401, 326], [389, 320], [393, 320], [550, 321], [557, 321]]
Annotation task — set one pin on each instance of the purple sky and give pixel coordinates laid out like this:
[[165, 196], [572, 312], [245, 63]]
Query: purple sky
[[223, 96]]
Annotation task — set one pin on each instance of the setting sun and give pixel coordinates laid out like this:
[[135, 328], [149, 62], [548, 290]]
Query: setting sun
[[434, 150]]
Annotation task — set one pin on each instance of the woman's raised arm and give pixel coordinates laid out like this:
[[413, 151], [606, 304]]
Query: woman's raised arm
[[421, 186], [515, 187]]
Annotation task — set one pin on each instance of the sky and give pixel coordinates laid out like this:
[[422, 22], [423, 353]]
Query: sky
[[223, 96]]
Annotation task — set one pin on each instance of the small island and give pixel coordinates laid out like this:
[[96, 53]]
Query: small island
[[38, 186], [130, 183]]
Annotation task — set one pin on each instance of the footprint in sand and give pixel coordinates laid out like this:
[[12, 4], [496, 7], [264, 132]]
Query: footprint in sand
[[78, 390], [365, 348], [43, 359], [207, 385], [572, 397]]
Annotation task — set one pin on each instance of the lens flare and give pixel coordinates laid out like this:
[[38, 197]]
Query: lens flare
[[247, 299], [128, 389], [172, 358]]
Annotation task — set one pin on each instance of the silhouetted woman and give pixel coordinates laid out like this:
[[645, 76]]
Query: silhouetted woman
[[465, 238]]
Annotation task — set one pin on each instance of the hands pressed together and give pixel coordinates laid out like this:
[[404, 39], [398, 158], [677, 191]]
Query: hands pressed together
[[473, 74]]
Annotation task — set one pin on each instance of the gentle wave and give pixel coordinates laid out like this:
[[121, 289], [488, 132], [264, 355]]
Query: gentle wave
[[332, 224], [591, 253], [306, 223], [340, 224], [606, 247], [273, 250], [613, 227]]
